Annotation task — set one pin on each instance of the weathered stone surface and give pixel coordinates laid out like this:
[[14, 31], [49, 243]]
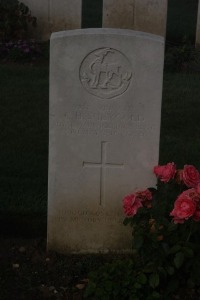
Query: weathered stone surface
[[54, 15], [143, 15], [105, 103]]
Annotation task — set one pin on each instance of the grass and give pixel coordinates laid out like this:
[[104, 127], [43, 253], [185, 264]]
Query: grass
[[24, 136], [24, 121], [24, 133], [180, 119], [181, 20]]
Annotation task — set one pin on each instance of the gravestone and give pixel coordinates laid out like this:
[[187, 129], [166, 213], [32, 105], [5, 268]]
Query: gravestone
[[105, 106], [198, 28], [143, 15], [54, 15]]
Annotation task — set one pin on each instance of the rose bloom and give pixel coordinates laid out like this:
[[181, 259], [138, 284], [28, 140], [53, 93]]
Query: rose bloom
[[166, 172], [131, 204], [184, 208], [198, 189], [196, 216], [195, 195], [190, 176], [145, 197]]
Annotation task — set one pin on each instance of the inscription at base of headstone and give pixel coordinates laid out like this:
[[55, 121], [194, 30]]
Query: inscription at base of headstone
[[105, 105]]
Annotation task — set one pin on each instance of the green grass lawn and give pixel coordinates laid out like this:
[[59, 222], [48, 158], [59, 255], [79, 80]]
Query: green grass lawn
[[24, 133], [24, 138], [24, 119], [181, 20], [180, 128]]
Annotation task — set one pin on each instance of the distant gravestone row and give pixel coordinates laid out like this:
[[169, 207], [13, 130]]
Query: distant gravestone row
[[143, 15], [57, 15], [198, 28], [54, 15]]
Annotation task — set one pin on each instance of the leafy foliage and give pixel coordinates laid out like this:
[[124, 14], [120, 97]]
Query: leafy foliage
[[182, 57], [14, 20], [167, 251], [20, 51]]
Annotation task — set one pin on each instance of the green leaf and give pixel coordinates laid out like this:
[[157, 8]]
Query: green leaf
[[133, 297], [127, 221], [154, 280], [137, 286], [172, 285], [90, 289], [178, 260], [170, 270], [155, 295], [188, 251], [138, 241], [142, 278], [190, 283], [175, 249], [172, 227], [162, 271], [149, 267]]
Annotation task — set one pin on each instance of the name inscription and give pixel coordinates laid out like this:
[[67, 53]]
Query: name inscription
[[81, 122], [75, 216]]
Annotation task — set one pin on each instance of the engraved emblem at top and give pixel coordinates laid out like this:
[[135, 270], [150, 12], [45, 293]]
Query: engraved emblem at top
[[105, 73]]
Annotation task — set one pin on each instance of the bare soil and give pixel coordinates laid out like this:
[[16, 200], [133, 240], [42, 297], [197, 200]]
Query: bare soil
[[28, 272]]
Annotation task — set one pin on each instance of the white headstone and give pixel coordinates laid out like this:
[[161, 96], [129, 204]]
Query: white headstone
[[105, 106], [54, 15], [198, 28], [143, 15]]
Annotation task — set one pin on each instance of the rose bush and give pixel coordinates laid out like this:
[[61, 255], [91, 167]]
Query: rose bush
[[165, 225], [190, 176], [166, 172], [166, 229]]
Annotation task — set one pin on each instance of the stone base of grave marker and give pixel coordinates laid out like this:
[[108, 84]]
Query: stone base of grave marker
[[105, 105]]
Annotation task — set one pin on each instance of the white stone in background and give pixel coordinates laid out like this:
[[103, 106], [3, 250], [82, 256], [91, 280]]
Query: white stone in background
[[54, 15], [118, 14], [143, 15], [198, 28], [105, 106]]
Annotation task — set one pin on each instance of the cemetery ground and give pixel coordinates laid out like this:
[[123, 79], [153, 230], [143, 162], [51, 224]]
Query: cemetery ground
[[28, 271]]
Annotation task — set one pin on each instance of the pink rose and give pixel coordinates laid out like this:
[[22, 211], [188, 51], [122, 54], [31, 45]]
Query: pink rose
[[198, 188], [194, 195], [145, 197], [196, 216], [166, 172], [184, 208], [178, 221], [190, 176], [131, 204]]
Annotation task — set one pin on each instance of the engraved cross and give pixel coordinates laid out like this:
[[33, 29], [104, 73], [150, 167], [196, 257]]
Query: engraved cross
[[103, 165]]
